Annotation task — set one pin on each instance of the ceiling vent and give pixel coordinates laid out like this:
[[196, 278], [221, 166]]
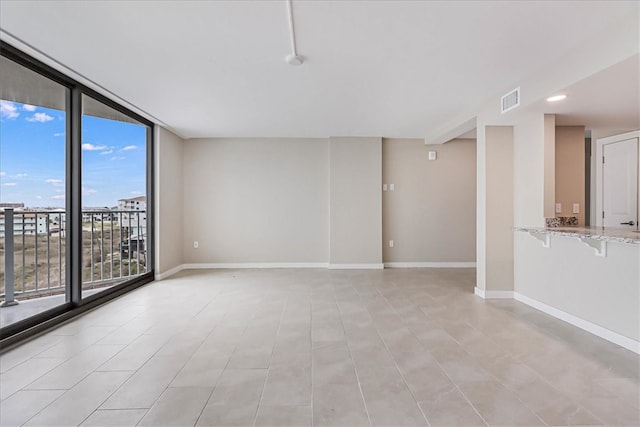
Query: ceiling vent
[[510, 101]]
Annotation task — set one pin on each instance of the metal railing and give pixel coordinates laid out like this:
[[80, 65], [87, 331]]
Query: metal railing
[[33, 245]]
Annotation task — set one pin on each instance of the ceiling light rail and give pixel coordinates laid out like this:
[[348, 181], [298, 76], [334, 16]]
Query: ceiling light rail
[[293, 58]]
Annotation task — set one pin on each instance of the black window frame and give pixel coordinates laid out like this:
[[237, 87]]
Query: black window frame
[[75, 304]]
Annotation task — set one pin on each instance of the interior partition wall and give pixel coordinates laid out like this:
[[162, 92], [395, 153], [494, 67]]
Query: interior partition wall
[[76, 197]]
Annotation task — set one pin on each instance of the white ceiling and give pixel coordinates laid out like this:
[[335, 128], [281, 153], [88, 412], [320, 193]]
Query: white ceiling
[[373, 68], [607, 103]]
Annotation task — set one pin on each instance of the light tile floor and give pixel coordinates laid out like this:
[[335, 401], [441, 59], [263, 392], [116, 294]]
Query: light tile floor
[[317, 347]]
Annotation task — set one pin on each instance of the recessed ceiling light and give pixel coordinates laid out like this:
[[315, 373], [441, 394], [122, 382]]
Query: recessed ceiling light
[[556, 98]]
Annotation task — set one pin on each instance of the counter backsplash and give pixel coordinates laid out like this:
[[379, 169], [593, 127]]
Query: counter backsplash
[[562, 221]]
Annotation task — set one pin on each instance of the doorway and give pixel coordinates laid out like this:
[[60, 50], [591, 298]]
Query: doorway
[[617, 195]]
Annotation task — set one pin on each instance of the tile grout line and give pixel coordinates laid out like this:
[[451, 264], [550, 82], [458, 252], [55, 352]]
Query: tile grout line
[[109, 396], [439, 366], [45, 373], [34, 355], [396, 363], [498, 380], [26, 388], [355, 370], [222, 373], [544, 380], [147, 361], [199, 347], [65, 390], [391, 354], [396, 301], [266, 378], [519, 360]]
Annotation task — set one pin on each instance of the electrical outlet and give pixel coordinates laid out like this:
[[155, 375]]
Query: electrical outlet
[[558, 207], [576, 208], [195, 244], [392, 187], [390, 243], [384, 187]]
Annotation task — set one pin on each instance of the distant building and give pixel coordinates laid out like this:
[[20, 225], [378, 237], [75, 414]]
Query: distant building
[[28, 224], [134, 213], [97, 214], [3, 206]]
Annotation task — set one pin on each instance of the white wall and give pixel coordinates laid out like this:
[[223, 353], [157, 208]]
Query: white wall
[[355, 201], [283, 201], [318, 202], [256, 200], [499, 208], [168, 200], [431, 214], [569, 277], [529, 166]]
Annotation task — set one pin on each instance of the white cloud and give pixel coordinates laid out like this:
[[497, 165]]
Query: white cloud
[[2, 173], [21, 175], [90, 147], [88, 191], [129, 148], [106, 152], [118, 158], [8, 110], [28, 107], [58, 197], [135, 193], [59, 134], [54, 182], [39, 197], [9, 184], [40, 117]]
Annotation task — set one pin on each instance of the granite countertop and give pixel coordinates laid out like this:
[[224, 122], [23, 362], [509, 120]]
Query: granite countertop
[[622, 235]]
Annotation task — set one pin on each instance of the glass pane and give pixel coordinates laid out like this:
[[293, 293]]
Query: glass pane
[[114, 199], [32, 193]]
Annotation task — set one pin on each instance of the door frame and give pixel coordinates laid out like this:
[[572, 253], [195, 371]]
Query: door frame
[[600, 143]]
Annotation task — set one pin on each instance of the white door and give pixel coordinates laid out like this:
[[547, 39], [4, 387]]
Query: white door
[[620, 183]]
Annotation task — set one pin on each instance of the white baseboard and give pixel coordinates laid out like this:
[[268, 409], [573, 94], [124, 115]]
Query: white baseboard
[[244, 265], [367, 266], [355, 266], [597, 330], [429, 265], [489, 294], [170, 272]]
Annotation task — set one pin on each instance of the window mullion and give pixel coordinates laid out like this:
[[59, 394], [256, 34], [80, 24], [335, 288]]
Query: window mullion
[[74, 197]]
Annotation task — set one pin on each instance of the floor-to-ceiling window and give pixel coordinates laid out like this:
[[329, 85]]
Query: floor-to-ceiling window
[[33, 118], [75, 185], [114, 197]]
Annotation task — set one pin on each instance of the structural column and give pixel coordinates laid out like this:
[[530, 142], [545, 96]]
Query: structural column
[[355, 203], [495, 211]]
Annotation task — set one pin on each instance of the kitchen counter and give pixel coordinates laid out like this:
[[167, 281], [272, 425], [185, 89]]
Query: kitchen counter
[[620, 235], [587, 276]]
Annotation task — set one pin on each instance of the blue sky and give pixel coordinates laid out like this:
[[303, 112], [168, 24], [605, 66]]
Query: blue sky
[[32, 158]]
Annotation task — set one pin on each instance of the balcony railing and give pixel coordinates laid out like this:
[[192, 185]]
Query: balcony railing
[[33, 248]]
